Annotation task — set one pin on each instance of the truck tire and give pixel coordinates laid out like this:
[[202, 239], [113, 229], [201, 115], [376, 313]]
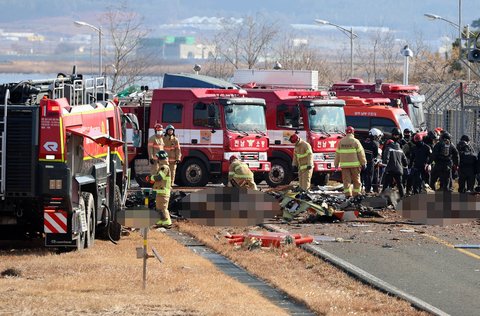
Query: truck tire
[[194, 173], [80, 242], [280, 174], [321, 179], [115, 229], [91, 219]]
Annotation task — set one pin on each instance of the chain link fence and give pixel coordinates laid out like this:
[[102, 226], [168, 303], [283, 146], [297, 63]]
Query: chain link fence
[[454, 107]]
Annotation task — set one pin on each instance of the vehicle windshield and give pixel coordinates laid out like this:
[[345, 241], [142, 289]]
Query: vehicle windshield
[[327, 119], [417, 116], [245, 118], [405, 122]]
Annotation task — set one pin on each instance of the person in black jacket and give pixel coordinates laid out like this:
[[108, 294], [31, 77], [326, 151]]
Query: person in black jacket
[[371, 154], [394, 164], [420, 156], [445, 157], [467, 166], [407, 149]]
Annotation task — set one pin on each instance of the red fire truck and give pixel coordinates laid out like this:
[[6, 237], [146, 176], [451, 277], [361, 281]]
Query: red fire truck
[[62, 167], [411, 101], [365, 114], [211, 124], [315, 116]]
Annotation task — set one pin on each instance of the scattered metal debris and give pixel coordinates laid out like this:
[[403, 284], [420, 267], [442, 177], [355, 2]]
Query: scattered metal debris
[[467, 246]]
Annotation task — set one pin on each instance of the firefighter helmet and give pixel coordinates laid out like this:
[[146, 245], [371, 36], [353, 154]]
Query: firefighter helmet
[[433, 135], [158, 127], [162, 155], [350, 130], [390, 141], [170, 127], [375, 132], [233, 158], [417, 138], [294, 138], [396, 131]]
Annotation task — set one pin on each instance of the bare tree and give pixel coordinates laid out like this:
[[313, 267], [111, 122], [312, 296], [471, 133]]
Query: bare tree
[[126, 31], [243, 42], [298, 54]]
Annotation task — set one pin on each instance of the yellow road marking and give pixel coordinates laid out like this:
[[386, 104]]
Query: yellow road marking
[[445, 243]]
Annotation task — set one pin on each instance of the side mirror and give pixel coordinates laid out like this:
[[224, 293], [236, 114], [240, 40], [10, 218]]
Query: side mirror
[[137, 138], [211, 110], [212, 122]]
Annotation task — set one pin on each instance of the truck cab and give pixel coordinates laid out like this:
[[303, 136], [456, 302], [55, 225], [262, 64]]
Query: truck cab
[[365, 114], [407, 95], [316, 116], [211, 125]]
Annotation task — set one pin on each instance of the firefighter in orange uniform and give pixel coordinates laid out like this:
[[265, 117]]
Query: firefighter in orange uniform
[[303, 160], [350, 156], [172, 147], [155, 143], [240, 175], [161, 186]]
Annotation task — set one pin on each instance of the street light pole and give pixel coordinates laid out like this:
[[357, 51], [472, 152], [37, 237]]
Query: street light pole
[[455, 25], [349, 33], [406, 52], [99, 30]]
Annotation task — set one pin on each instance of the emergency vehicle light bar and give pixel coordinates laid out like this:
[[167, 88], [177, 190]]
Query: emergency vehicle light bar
[[377, 101], [226, 91], [308, 93], [398, 88]]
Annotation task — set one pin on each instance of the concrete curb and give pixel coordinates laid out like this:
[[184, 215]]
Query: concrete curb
[[364, 276]]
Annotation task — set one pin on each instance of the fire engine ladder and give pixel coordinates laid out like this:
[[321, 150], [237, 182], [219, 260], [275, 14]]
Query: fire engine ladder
[[3, 146]]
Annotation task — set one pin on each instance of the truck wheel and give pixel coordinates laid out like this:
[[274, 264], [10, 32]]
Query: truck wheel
[[80, 245], [115, 229], [194, 173], [91, 219], [321, 179], [280, 174]]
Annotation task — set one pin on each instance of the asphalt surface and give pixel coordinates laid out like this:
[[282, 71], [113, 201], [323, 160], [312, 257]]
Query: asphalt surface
[[441, 276]]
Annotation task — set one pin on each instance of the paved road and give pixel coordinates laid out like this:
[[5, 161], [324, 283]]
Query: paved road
[[439, 275]]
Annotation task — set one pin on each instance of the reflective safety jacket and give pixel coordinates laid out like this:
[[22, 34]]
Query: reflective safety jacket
[[239, 170], [172, 146], [350, 153], [302, 155], [154, 145], [162, 179]]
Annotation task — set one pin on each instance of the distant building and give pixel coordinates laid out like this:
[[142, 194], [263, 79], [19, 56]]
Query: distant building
[[174, 48]]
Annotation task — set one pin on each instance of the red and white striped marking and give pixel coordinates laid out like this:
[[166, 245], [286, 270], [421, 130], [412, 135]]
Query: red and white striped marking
[[55, 222]]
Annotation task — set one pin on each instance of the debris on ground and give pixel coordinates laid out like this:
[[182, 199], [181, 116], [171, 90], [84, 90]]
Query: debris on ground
[[467, 246], [11, 272], [258, 239], [326, 203]]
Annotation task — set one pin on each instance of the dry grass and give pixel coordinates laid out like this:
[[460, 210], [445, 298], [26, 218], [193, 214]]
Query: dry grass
[[106, 280], [325, 289]]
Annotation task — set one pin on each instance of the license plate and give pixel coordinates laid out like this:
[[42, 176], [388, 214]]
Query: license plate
[[253, 164]]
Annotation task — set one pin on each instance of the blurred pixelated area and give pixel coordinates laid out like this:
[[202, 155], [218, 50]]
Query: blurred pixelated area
[[440, 208], [138, 217], [228, 207]]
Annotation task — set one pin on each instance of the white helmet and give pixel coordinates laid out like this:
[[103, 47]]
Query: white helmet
[[376, 133]]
